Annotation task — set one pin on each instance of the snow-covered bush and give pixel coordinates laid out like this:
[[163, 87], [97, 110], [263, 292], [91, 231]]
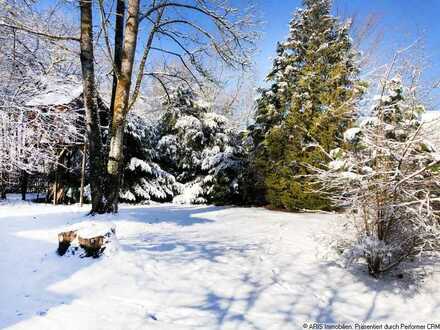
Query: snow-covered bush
[[388, 178]]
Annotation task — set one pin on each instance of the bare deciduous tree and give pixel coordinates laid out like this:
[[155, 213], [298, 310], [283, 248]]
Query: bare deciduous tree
[[187, 31], [388, 180], [193, 31], [30, 137]]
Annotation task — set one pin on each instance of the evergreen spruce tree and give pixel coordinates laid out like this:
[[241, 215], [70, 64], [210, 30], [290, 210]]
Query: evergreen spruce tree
[[190, 155], [200, 149], [301, 117], [144, 179]]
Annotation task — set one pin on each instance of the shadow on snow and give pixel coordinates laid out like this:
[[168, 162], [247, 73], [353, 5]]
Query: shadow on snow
[[312, 296]]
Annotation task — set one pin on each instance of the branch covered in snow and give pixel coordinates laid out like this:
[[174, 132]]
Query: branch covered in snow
[[388, 178]]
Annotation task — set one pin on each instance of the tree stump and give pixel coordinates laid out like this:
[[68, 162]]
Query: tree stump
[[92, 238], [93, 246], [65, 239]]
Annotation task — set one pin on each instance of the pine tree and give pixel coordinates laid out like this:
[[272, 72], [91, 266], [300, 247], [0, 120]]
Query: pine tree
[[190, 155], [301, 117]]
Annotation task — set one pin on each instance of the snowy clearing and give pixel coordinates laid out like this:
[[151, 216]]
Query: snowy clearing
[[190, 267]]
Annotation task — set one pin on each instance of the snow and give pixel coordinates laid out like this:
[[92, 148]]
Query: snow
[[92, 229], [57, 94], [352, 133], [431, 127], [139, 163], [188, 122], [190, 193], [191, 267], [337, 164], [213, 120], [430, 116]]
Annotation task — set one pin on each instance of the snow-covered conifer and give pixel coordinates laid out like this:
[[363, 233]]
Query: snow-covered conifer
[[200, 149], [314, 89], [144, 180]]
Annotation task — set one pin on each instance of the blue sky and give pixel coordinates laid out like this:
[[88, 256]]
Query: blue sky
[[402, 22]]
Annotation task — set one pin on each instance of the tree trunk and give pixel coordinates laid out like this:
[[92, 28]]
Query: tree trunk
[[116, 158], [55, 183], [92, 117], [119, 39], [83, 176], [2, 189], [24, 178], [3, 180]]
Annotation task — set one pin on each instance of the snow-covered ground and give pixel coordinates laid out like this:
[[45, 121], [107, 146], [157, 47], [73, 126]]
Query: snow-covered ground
[[188, 267]]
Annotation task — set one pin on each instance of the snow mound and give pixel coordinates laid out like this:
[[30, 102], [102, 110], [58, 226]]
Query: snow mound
[[92, 229]]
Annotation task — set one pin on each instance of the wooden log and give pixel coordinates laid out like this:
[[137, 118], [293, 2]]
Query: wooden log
[[93, 246], [91, 238], [65, 239], [94, 240]]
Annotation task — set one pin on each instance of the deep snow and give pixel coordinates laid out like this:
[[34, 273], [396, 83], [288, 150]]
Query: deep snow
[[190, 267]]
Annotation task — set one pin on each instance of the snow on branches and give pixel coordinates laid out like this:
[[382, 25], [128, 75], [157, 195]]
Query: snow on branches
[[191, 155], [201, 149], [144, 179], [388, 179], [31, 134], [34, 68]]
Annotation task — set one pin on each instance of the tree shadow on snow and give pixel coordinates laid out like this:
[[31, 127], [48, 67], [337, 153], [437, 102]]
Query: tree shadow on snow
[[258, 297], [170, 249], [168, 213], [316, 296], [30, 266], [27, 289]]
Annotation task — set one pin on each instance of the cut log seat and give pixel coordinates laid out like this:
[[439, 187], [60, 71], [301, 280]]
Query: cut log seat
[[65, 239], [93, 246], [91, 237]]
